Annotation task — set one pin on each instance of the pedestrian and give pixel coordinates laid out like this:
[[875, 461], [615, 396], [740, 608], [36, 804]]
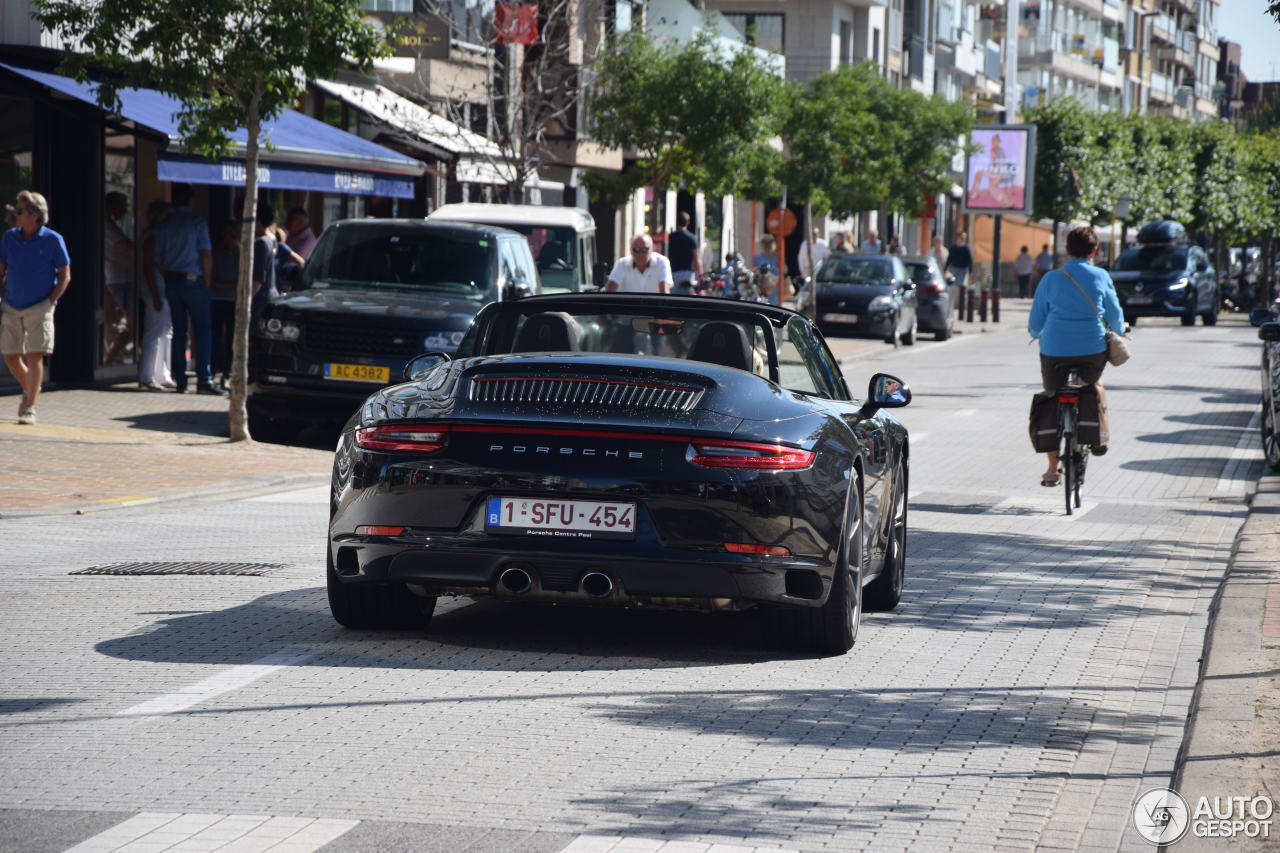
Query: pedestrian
[[222, 301], [1044, 263], [1022, 268], [117, 251], [157, 324], [184, 253], [959, 258], [895, 246], [682, 252], [645, 271], [871, 245], [940, 253], [841, 244], [265, 287], [812, 252], [288, 262], [35, 270], [301, 238], [1065, 321]]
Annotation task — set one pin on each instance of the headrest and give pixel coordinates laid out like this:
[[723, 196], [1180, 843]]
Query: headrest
[[547, 332], [722, 343]]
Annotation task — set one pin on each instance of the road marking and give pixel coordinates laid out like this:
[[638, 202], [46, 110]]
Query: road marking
[[917, 437], [229, 679], [153, 831], [310, 494], [964, 413], [1232, 479], [635, 844]]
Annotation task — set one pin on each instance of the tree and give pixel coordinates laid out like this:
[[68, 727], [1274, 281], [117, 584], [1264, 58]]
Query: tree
[[233, 64], [696, 114]]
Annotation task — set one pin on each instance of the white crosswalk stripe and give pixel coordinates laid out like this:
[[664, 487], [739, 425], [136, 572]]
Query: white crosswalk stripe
[[154, 832]]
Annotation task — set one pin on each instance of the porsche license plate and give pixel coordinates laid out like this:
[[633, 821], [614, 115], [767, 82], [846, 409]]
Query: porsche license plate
[[840, 318], [561, 518], [358, 372]]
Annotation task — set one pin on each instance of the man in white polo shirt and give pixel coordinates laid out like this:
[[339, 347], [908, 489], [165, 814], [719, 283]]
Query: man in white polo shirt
[[646, 271]]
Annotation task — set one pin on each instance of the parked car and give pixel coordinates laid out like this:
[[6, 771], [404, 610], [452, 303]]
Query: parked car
[[562, 239], [374, 293], [871, 294], [936, 295], [628, 450], [1268, 322], [1163, 276]]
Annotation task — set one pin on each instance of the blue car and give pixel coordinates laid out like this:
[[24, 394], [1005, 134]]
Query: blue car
[[1164, 276]]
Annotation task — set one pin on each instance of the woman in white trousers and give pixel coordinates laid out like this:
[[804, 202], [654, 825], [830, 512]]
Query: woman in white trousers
[[157, 331]]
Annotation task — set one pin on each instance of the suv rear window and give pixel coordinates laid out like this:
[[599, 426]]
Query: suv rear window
[[402, 258], [1153, 259]]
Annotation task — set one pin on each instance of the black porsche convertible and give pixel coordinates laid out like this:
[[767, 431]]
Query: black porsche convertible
[[626, 449]]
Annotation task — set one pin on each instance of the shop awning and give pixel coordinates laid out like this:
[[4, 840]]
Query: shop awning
[[479, 158], [307, 154]]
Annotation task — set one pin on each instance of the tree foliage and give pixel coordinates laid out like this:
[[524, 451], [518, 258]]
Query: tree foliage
[[232, 64], [695, 116]]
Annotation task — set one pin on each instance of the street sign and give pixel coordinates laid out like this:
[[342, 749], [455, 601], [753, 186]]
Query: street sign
[[780, 222]]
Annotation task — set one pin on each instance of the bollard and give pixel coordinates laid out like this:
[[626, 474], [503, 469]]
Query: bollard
[[982, 307], [995, 306], [960, 292], [969, 304]]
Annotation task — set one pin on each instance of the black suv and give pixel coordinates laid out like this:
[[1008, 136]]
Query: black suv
[[374, 293], [1163, 276]]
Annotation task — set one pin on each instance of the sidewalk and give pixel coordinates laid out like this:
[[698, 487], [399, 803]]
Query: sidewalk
[[100, 448], [1232, 746]]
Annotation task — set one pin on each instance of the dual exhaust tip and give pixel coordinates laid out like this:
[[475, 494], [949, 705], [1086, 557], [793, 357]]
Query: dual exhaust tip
[[518, 580]]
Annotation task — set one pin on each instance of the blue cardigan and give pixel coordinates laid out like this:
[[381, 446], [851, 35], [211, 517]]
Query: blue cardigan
[[1064, 321]]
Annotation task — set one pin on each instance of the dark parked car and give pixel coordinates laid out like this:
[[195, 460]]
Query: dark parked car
[[629, 450], [1268, 322], [936, 295], [1165, 277], [871, 294], [374, 293]]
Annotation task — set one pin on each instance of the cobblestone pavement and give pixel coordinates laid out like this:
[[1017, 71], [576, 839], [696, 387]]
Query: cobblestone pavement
[[1035, 680]]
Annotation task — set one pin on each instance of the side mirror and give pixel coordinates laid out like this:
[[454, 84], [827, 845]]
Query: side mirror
[[518, 290], [951, 279], [885, 392], [600, 274], [1269, 332], [420, 365], [1259, 316]]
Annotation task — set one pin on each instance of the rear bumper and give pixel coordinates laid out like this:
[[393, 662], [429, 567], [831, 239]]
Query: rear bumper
[[933, 316], [467, 564]]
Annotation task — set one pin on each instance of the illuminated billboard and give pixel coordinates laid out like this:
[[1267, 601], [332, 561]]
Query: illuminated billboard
[[1000, 170]]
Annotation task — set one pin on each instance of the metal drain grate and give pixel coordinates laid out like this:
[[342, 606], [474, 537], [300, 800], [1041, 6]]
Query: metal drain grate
[[179, 568]]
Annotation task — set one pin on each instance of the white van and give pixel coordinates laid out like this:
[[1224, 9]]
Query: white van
[[562, 239]]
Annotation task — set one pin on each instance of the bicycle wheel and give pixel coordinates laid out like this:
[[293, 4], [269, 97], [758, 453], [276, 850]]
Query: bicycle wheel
[[1082, 459], [1067, 456]]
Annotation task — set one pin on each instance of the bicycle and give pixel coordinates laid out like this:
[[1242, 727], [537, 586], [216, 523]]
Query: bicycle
[[1074, 456]]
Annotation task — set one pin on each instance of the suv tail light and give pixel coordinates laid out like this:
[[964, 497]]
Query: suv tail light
[[756, 456], [417, 439]]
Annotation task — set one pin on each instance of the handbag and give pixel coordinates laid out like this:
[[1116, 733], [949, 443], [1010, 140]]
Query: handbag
[[1117, 347]]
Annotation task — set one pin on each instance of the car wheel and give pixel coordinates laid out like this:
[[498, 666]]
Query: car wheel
[[832, 628], [945, 332], [1210, 317], [885, 591], [1270, 441], [375, 606]]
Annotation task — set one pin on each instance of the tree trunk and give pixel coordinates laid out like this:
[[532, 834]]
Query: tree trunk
[[1055, 243], [239, 414]]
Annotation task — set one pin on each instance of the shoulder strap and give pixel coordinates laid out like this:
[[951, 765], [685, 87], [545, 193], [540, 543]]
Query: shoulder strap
[[1101, 317]]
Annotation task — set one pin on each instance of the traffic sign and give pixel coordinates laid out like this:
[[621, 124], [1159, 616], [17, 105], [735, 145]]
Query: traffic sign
[[780, 222]]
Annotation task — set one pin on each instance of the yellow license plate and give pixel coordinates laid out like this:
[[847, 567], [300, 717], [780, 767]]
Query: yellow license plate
[[358, 372]]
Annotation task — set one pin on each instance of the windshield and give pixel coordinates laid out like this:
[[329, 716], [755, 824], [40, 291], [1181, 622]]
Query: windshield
[[555, 251], [920, 273], [1153, 259], [403, 258], [855, 270]]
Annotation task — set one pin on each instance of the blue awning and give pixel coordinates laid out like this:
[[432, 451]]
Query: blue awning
[[307, 154]]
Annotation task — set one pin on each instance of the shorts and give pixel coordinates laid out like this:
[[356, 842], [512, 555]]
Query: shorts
[[26, 330]]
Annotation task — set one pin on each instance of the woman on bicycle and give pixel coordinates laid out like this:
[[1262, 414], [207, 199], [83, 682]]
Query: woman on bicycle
[[1064, 318]]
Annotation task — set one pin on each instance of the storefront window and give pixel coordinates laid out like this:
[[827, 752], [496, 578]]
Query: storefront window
[[118, 329], [16, 144]]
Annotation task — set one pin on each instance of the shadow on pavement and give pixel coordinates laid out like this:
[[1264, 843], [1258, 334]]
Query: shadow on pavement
[[1226, 437], [1238, 418], [187, 421], [1187, 466]]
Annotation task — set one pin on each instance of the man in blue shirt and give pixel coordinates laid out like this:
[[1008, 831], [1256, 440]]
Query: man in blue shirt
[[960, 259], [185, 257], [35, 271]]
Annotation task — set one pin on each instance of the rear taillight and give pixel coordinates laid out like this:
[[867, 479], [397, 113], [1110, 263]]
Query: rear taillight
[[716, 453], [378, 530], [932, 287], [403, 438], [1068, 398], [748, 548]]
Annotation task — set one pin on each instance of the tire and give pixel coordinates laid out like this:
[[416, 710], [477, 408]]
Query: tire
[[367, 606], [945, 332], [832, 628], [1210, 317], [1068, 474], [1270, 441], [885, 591]]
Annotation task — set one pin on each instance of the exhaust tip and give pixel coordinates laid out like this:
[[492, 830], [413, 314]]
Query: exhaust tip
[[597, 584], [516, 580]]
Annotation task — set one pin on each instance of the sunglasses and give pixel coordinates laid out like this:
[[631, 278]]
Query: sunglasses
[[641, 249]]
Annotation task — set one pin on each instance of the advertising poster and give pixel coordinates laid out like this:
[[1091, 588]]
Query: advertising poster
[[999, 172]]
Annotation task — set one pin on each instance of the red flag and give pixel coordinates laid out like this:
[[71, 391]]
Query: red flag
[[515, 23]]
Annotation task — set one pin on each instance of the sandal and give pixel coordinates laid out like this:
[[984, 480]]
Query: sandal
[[1050, 480], [1098, 450]]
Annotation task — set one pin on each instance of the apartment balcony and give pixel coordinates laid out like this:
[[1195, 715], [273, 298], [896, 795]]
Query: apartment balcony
[[1093, 7], [1206, 108], [1188, 6], [1209, 47], [1176, 55], [1163, 29], [1063, 54], [1161, 88]]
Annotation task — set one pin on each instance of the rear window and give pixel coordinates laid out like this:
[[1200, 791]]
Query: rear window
[[1153, 259], [403, 258], [555, 252]]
